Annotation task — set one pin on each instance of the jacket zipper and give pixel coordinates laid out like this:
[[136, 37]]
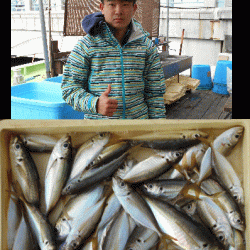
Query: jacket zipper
[[123, 84]]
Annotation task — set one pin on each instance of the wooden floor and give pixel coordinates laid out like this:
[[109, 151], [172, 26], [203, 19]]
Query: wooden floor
[[199, 104]]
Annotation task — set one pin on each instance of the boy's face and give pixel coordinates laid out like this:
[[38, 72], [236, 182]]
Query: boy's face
[[118, 13]]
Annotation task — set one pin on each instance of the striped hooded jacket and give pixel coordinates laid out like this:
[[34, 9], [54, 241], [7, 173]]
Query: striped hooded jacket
[[133, 70]]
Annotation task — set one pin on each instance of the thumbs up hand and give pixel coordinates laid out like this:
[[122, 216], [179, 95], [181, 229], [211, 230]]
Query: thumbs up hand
[[105, 105]]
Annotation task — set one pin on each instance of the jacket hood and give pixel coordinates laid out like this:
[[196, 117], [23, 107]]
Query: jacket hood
[[92, 25]]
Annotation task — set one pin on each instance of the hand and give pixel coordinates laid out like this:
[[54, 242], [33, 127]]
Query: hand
[[105, 105]]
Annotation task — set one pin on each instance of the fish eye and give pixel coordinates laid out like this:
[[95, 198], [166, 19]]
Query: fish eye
[[235, 197], [46, 242], [221, 237], [68, 187], [78, 180], [161, 188], [139, 240], [189, 206], [18, 146], [237, 136], [74, 244], [205, 245], [150, 186], [63, 219], [122, 184], [238, 221], [196, 135], [65, 145], [178, 154]]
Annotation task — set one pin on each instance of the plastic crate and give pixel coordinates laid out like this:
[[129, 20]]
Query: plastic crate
[[40, 100]]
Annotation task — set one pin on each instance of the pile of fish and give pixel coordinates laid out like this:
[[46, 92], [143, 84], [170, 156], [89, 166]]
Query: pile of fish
[[153, 191]]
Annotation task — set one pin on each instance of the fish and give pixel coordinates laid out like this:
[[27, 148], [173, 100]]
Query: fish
[[206, 166], [39, 143], [109, 153], [186, 233], [215, 218], [226, 203], [41, 228], [228, 177], [84, 226], [75, 207], [117, 233], [88, 152], [176, 141], [93, 175], [226, 141], [142, 238], [136, 206], [24, 239], [112, 208], [163, 189], [25, 177], [239, 241], [191, 160], [14, 219], [57, 171], [153, 166]]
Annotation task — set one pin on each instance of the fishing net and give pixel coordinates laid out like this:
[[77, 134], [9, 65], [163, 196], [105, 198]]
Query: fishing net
[[147, 14]]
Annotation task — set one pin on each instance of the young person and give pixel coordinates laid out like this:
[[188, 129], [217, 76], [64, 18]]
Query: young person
[[114, 71]]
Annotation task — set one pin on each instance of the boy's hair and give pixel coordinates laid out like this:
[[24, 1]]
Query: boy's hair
[[134, 1]]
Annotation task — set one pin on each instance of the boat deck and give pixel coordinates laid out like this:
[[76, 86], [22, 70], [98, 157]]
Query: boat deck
[[200, 104]]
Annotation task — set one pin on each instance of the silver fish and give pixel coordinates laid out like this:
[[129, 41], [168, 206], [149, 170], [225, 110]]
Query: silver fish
[[87, 153], [25, 178], [177, 141], [226, 141], [39, 143], [118, 233], [152, 166], [239, 241], [24, 239], [163, 189], [135, 205], [109, 153], [14, 219], [84, 226], [142, 239], [206, 166], [41, 228], [215, 218], [190, 161], [93, 175], [187, 234], [75, 207], [226, 202], [57, 171], [228, 177]]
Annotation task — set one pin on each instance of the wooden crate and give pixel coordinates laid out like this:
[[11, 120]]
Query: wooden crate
[[79, 129]]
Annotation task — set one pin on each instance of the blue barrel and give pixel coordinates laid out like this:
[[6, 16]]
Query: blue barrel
[[203, 73], [220, 77]]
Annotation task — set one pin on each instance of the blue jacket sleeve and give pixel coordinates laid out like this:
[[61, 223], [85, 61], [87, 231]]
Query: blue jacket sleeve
[[154, 85], [75, 80]]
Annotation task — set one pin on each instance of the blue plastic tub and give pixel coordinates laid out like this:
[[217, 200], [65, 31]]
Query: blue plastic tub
[[40, 100], [203, 73], [220, 77], [54, 79]]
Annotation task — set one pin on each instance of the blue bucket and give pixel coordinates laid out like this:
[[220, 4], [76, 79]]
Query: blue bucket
[[202, 73], [220, 77]]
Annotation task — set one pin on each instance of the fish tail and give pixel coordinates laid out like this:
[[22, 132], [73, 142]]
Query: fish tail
[[165, 238]]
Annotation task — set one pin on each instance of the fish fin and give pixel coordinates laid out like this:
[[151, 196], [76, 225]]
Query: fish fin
[[188, 186]]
